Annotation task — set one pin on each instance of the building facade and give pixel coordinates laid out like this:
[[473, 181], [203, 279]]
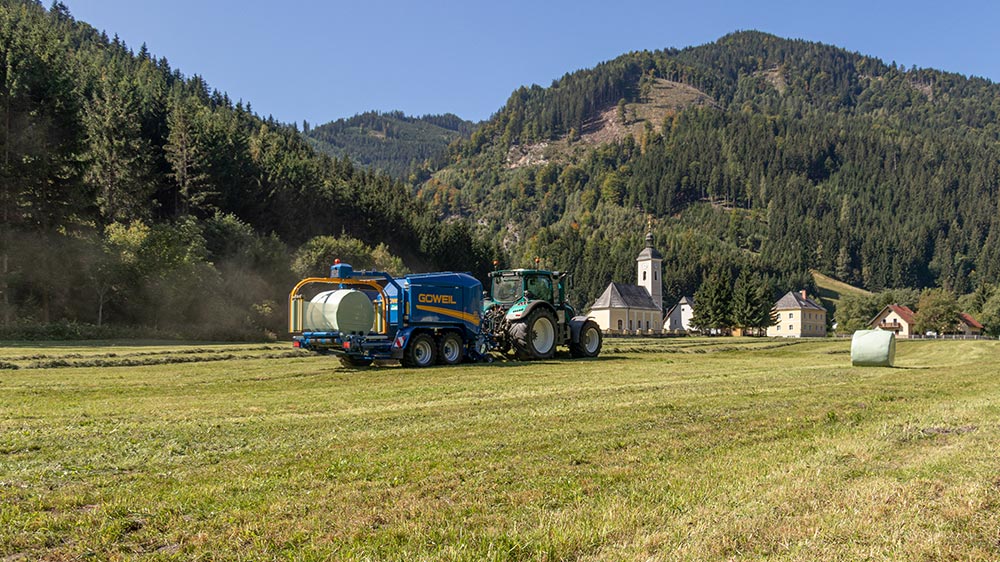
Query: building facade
[[969, 326], [894, 318], [678, 318], [798, 317], [631, 309]]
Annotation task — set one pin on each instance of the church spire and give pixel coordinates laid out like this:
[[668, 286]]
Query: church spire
[[650, 266]]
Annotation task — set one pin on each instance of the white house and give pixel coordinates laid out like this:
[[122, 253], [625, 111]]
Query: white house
[[895, 318], [678, 318]]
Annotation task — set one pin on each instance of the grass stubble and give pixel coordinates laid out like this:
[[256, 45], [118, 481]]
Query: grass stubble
[[682, 449]]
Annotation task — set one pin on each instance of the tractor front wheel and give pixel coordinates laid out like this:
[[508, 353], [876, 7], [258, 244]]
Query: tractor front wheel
[[535, 337], [590, 341]]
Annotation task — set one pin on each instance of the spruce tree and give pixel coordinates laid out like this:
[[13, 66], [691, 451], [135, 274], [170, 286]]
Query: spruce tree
[[712, 303]]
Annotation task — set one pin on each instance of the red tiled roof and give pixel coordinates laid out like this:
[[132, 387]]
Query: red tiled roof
[[969, 320], [904, 312]]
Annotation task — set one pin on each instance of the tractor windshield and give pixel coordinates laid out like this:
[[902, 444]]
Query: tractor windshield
[[506, 289]]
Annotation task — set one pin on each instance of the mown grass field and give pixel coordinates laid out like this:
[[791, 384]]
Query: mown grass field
[[684, 449]]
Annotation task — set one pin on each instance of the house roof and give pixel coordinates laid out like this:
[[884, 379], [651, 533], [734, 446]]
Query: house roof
[[619, 295], [795, 301], [903, 312], [969, 320]]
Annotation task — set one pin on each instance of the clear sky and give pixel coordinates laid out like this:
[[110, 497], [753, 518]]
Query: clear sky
[[322, 60]]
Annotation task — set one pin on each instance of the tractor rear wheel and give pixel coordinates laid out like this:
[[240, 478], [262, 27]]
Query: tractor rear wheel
[[450, 351], [590, 341], [421, 352], [535, 337]]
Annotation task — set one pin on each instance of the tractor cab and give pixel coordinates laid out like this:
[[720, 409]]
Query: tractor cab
[[513, 285]]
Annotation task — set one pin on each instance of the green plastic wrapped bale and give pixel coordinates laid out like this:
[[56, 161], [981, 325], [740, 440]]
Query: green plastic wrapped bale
[[873, 348]]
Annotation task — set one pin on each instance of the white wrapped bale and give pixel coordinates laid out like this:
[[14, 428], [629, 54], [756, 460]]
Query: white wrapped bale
[[873, 348], [342, 310]]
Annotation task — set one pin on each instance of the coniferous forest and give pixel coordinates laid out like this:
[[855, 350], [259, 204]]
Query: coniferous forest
[[806, 157], [137, 198], [134, 196], [402, 146]]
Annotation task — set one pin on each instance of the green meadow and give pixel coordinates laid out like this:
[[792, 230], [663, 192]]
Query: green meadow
[[679, 449]]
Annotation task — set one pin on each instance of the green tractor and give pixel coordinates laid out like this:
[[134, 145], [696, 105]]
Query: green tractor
[[526, 313]]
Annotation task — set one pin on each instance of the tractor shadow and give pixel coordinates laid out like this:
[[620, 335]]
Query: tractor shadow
[[559, 359]]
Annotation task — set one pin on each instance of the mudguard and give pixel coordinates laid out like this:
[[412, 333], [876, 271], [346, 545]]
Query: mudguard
[[576, 326], [401, 341], [521, 310]]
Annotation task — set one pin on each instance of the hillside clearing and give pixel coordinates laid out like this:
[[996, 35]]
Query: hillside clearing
[[664, 99], [692, 449], [831, 290]]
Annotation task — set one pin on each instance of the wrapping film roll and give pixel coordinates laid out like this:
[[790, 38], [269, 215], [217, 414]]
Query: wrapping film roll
[[873, 348]]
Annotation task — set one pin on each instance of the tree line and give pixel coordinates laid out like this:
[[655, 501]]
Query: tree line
[[133, 195]]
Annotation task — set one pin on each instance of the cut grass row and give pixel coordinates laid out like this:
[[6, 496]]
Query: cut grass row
[[745, 451]]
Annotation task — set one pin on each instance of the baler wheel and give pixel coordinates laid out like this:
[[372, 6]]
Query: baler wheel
[[450, 350], [421, 351]]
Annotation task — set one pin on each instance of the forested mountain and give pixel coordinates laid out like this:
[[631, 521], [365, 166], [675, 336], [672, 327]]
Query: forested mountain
[[134, 195], [392, 142], [751, 152], [131, 194]]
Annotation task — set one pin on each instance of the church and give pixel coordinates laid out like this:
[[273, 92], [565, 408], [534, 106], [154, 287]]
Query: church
[[632, 309]]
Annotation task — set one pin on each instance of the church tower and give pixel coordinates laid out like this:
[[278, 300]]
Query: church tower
[[650, 264]]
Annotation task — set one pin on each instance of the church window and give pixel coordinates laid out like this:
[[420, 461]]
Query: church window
[[619, 324], [643, 275]]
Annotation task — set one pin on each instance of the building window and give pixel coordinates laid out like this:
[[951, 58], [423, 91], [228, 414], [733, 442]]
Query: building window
[[619, 325], [790, 328], [647, 325], [789, 315], [654, 276], [629, 324], [779, 327], [643, 275]]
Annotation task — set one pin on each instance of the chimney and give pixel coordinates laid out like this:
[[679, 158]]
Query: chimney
[[803, 293]]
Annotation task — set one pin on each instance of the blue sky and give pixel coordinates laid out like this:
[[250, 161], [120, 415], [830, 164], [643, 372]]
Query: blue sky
[[323, 60]]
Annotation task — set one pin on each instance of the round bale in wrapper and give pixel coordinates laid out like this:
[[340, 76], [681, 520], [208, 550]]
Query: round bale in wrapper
[[345, 310], [873, 348]]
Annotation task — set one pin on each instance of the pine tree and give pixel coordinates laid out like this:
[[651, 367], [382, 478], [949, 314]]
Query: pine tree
[[187, 158], [712, 303], [118, 156], [744, 301]]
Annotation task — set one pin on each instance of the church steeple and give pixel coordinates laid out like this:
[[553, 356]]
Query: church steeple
[[650, 269]]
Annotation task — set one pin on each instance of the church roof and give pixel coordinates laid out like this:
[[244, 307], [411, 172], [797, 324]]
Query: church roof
[[619, 295]]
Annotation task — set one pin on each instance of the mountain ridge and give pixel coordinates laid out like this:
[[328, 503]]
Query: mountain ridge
[[391, 141], [804, 150]]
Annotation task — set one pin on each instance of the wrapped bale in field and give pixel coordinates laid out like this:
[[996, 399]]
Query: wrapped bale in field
[[873, 348], [343, 310]]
